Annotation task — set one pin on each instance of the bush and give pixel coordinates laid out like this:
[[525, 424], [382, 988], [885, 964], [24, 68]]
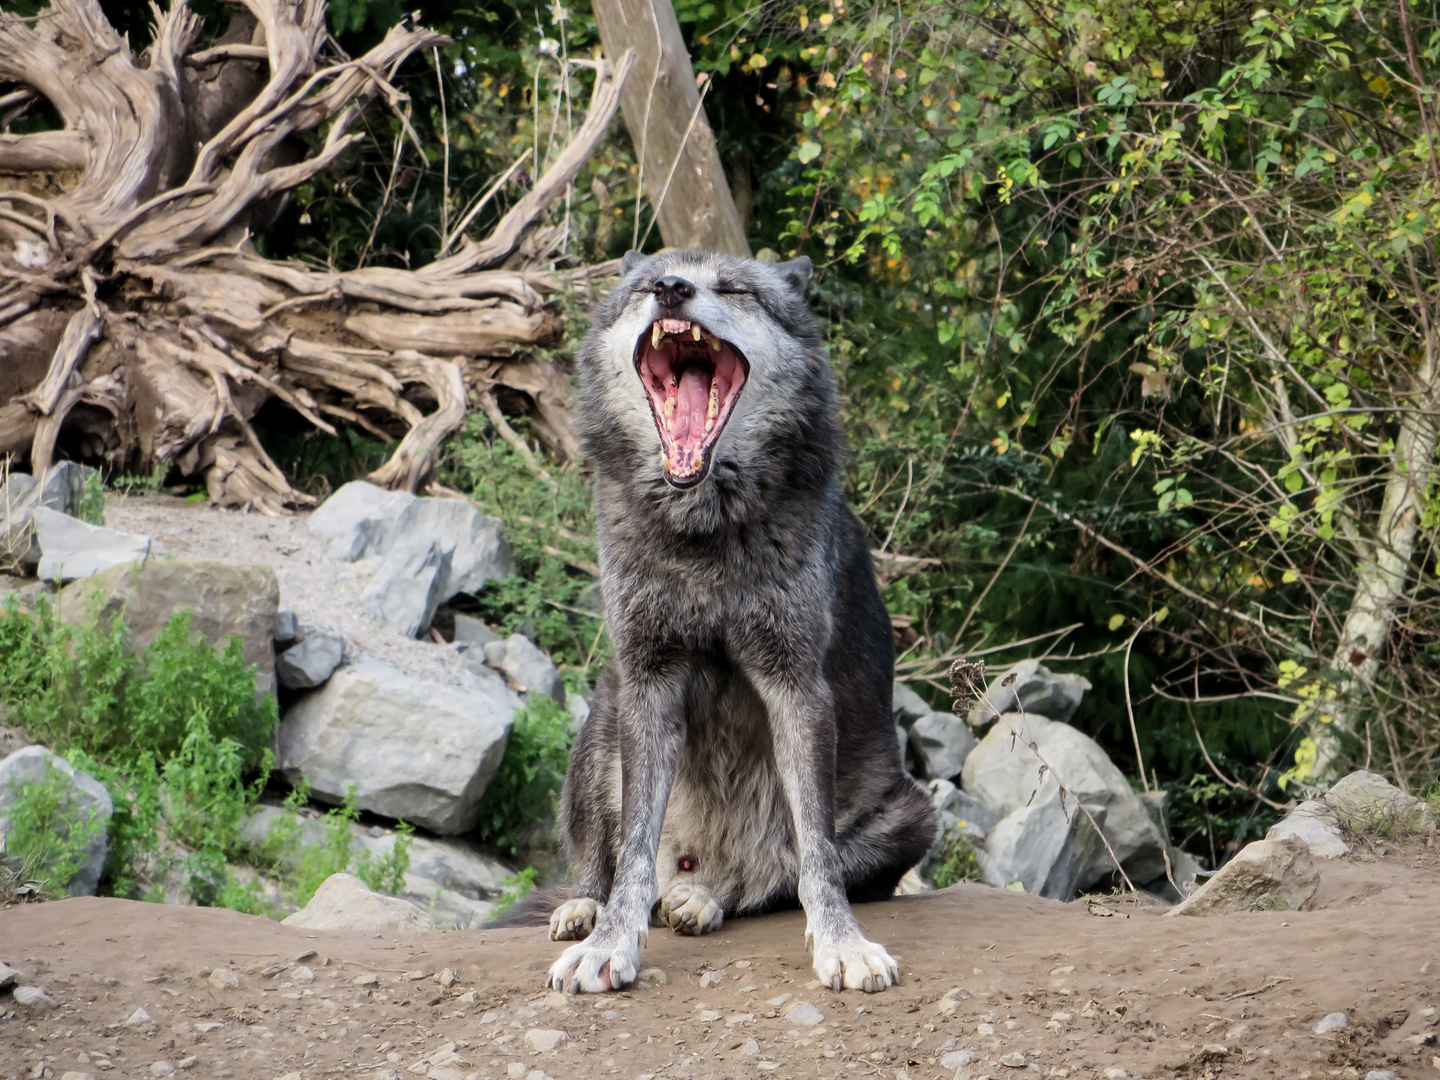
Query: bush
[[525, 789], [957, 863], [48, 833]]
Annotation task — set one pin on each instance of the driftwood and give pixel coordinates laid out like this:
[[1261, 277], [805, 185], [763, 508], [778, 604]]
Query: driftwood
[[140, 327]]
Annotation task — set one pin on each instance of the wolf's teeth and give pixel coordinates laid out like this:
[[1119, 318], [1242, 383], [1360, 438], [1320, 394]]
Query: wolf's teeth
[[710, 339], [655, 335], [709, 424], [695, 331], [669, 406], [712, 408]]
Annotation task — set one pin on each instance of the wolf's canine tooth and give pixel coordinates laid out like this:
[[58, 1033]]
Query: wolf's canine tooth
[[695, 331], [655, 335]]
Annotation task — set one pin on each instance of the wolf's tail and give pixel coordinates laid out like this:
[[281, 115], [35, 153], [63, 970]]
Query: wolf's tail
[[533, 909]]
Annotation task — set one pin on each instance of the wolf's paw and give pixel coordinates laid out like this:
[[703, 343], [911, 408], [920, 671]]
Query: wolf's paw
[[593, 967], [688, 908], [855, 964], [574, 919]]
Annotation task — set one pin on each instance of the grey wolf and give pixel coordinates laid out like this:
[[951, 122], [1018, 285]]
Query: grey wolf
[[740, 755]]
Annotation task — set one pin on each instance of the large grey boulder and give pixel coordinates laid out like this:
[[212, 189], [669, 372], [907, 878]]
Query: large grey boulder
[[71, 549], [907, 705], [1005, 775], [960, 810], [60, 489], [1268, 875], [412, 749], [1365, 802], [940, 742], [311, 660], [224, 601], [526, 666], [409, 585], [1049, 847], [85, 804], [1316, 824], [364, 521], [344, 902], [1034, 691], [472, 631]]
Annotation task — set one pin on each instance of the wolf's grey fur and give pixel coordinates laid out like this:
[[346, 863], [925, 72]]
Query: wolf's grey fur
[[741, 738]]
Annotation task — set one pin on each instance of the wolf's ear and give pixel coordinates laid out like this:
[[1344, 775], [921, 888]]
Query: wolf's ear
[[631, 260], [796, 273]]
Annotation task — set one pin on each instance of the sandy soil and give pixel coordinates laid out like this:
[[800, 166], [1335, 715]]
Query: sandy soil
[[1076, 990]]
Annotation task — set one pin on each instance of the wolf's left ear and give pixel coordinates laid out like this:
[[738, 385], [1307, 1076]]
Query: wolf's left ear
[[631, 260], [796, 273]]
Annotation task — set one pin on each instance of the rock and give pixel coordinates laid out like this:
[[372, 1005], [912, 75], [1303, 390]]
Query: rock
[[957, 1059], [34, 1000], [224, 601], [1003, 774], [161, 1068], [287, 627], [471, 631], [1317, 825], [1380, 1074], [907, 705], [223, 978], [413, 749], [1332, 1022], [750, 1048], [579, 710], [805, 1014], [139, 1018], [526, 665], [711, 978], [86, 803], [309, 663], [408, 586], [364, 521], [959, 809], [1036, 691], [60, 489], [344, 902], [1013, 1060], [1050, 849], [543, 1040], [941, 741], [652, 975], [71, 549], [912, 884], [1268, 875], [1366, 802], [8, 976]]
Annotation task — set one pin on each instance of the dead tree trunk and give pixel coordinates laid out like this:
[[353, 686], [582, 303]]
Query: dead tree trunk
[[680, 165], [134, 308]]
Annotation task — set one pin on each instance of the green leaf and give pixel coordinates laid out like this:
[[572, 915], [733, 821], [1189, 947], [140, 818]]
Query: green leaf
[[808, 151]]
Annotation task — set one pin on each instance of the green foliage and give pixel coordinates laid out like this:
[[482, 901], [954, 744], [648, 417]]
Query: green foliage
[[527, 785], [957, 862], [515, 888], [49, 832], [92, 500]]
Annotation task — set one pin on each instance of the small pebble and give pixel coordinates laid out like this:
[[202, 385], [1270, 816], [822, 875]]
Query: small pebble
[[223, 978], [446, 978], [1332, 1022], [515, 1070], [750, 1048], [778, 1001], [34, 999], [105, 980], [1380, 1074], [739, 1018], [1239, 1031], [741, 964], [302, 975], [188, 1062], [1013, 1060], [806, 1015], [957, 1059], [207, 1026], [767, 1066], [711, 978], [984, 1029], [543, 1040], [364, 980], [139, 1018], [161, 1068], [708, 1015], [1115, 1074], [652, 975]]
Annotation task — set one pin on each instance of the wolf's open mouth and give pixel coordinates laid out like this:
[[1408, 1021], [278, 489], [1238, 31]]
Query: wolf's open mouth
[[693, 381]]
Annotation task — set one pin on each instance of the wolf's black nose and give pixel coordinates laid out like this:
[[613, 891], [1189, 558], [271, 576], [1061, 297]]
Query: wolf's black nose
[[672, 289]]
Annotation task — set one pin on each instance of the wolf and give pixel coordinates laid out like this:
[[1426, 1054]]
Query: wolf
[[740, 754]]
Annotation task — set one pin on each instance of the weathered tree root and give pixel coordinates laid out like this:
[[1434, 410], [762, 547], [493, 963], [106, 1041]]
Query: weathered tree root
[[137, 319]]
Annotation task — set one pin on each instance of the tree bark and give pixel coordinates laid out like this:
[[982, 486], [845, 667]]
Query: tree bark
[[680, 165], [134, 308]]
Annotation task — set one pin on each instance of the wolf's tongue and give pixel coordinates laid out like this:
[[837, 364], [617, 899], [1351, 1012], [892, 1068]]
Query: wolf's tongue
[[692, 397]]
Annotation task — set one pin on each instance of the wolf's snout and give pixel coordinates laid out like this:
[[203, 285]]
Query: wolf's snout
[[673, 290]]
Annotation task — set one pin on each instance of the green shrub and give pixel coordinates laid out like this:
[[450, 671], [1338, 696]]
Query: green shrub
[[92, 500], [531, 774], [957, 862], [516, 887], [48, 832]]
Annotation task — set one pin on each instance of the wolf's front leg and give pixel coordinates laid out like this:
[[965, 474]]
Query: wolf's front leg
[[651, 728], [802, 722]]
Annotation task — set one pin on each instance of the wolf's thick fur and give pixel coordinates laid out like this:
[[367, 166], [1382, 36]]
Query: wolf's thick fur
[[747, 708]]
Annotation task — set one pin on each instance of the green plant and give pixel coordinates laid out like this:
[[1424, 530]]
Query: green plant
[[515, 888], [957, 862], [49, 832], [386, 873], [525, 788], [92, 500], [305, 866], [133, 484]]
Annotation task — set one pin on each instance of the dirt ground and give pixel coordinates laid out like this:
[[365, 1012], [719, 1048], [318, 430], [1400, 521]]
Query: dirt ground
[[1073, 990]]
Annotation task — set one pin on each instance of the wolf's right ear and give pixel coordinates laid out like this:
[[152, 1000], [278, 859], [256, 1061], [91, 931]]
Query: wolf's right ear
[[631, 260]]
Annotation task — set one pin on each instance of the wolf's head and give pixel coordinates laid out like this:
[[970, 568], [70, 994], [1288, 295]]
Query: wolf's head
[[701, 363]]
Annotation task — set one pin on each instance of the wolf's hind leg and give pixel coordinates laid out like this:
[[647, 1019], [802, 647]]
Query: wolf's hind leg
[[877, 849], [574, 919], [689, 908]]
